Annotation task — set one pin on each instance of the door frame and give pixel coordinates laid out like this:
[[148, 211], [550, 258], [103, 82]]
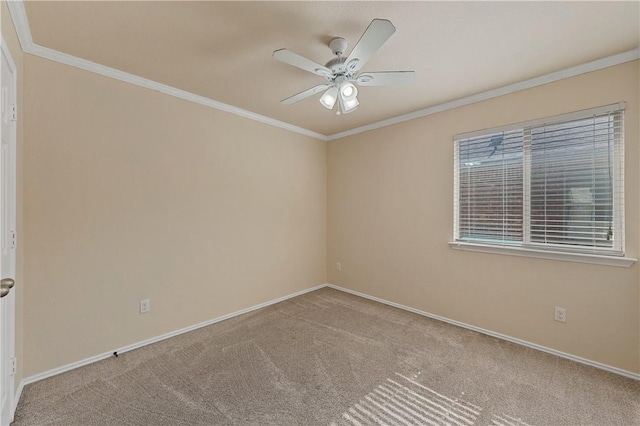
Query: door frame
[[13, 95]]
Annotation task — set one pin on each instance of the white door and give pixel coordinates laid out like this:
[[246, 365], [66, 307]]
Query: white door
[[7, 236]]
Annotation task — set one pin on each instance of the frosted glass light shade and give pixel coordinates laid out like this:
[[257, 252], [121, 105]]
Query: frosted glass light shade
[[328, 99], [350, 105], [348, 91]]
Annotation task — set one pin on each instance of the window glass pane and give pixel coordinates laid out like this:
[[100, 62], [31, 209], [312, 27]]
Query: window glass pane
[[571, 183], [490, 187]]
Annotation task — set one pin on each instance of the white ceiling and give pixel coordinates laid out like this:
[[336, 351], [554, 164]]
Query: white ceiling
[[222, 50]]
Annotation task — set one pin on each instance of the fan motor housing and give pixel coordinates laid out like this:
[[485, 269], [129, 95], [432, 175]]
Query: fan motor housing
[[336, 65]]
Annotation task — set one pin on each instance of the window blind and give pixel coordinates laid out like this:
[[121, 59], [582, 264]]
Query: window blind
[[490, 187], [555, 184]]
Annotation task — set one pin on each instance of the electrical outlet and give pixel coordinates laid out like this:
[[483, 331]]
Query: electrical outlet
[[145, 306], [560, 314], [338, 266]]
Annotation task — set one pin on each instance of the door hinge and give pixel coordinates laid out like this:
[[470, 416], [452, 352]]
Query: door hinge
[[14, 113], [14, 239], [12, 366]]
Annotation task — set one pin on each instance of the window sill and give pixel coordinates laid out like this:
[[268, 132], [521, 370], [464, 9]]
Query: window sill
[[622, 262]]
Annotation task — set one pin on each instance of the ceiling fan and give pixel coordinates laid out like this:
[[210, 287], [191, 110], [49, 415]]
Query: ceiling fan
[[342, 72]]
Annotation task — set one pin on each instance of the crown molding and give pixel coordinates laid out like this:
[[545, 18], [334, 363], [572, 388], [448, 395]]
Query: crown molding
[[21, 23], [74, 61], [599, 64]]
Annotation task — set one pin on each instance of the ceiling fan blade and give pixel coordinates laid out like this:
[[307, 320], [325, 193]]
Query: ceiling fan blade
[[385, 78], [292, 58], [378, 31], [303, 95]]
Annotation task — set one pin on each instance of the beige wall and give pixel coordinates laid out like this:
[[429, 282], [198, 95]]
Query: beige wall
[[10, 37], [132, 194], [390, 216]]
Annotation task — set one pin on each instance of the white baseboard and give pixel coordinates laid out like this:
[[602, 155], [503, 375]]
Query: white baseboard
[[16, 398], [90, 360], [494, 334]]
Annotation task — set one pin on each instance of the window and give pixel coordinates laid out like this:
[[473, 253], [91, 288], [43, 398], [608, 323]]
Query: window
[[554, 184]]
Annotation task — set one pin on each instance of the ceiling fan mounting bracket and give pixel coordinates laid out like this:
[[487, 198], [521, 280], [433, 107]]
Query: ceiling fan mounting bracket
[[338, 46]]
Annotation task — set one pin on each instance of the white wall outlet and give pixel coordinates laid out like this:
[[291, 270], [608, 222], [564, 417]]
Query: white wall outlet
[[145, 306], [560, 314], [338, 266]]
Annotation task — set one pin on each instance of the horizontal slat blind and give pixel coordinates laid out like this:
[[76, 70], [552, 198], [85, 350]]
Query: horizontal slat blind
[[490, 187], [552, 186], [573, 187]]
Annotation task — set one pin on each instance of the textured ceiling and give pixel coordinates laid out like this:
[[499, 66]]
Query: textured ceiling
[[222, 50]]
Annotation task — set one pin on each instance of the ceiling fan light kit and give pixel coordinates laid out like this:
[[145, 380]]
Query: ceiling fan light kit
[[342, 72]]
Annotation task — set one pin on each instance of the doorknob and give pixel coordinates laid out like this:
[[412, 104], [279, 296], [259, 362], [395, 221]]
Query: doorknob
[[6, 284]]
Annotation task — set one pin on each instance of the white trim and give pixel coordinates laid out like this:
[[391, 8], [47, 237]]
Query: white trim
[[83, 64], [12, 65], [90, 360], [105, 355], [21, 23], [11, 300], [595, 259], [17, 396], [541, 348], [599, 64]]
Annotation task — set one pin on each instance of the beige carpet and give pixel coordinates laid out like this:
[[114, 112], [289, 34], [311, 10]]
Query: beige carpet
[[330, 358]]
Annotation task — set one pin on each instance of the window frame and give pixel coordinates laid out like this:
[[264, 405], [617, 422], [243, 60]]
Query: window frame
[[545, 250]]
